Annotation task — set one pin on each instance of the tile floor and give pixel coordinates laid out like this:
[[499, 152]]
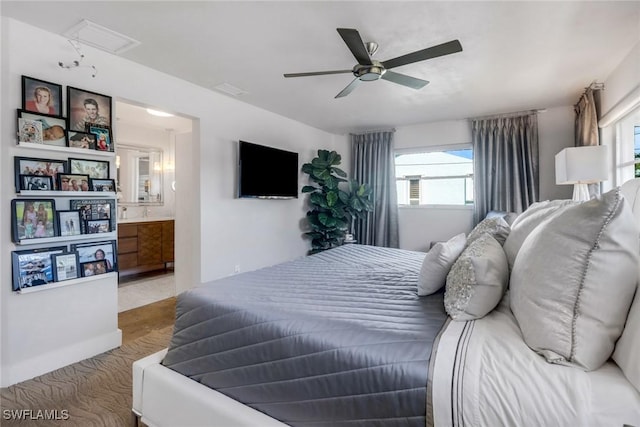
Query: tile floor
[[137, 293]]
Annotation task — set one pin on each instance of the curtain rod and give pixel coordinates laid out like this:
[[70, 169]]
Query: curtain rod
[[515, 113], [373, 131]]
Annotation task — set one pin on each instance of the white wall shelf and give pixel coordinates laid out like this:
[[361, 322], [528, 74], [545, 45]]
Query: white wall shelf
[[68, 150], [77, 194], [58, 239], [63, 283]]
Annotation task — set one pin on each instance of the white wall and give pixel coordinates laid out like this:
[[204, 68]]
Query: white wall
[[214, 230], [419, 226]]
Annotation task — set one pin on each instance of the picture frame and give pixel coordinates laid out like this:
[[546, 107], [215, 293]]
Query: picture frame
[[98, 250], [36, 183], [91, 209], [104, 140], [29, 131], [93, 268], [108, 185], [65, 266], [36, 166], [54, 129], [83, 140], [94, 168], [41, 97], [97, 226], [73, 182], [33, 219], [84, 107], [69, 223], [33, 267]]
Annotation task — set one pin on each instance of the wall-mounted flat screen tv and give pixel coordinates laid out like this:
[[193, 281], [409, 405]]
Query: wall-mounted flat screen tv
[[267, 172]]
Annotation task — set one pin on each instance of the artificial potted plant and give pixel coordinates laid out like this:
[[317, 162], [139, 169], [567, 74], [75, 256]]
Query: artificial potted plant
[[333, 209]]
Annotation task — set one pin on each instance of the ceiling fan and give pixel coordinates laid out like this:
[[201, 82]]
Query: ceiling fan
[[368, 69]]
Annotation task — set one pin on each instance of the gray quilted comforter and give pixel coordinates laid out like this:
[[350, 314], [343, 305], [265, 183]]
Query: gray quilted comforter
[[338, 338]]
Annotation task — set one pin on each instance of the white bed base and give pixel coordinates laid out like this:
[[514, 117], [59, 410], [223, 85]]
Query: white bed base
[[162, 397]]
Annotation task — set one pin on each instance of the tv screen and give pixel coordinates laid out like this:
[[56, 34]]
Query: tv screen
[[266, 172]]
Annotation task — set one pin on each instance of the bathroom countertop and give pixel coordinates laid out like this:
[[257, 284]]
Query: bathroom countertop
[[143, 219]]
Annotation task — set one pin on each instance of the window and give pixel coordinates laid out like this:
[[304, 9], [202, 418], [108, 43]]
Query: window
[[636, 150], [442, 177]]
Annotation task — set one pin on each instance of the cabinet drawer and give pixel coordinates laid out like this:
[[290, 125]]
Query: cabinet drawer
[[127, 261], [127, 245], [127, 230]]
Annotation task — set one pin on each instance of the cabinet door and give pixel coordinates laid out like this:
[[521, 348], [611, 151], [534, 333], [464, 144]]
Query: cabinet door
[[167, 241], [150, 243]]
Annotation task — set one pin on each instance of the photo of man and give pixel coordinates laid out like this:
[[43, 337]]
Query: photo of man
[[87, 108]]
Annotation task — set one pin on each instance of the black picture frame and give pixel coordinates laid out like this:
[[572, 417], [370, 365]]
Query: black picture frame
[[73, 182], [100, 131], [97, 226], [32, 267], [36, 166], [93, 168], [65, 266], [54, 129], [84, 140], [90, 252], [81, 104], [69, 223], [33, 219], [36, 183], [93, 268], [108, 185], [95, 209], [29, 96]]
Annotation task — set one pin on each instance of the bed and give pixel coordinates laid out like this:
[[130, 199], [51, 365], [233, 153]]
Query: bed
[[342, 338]]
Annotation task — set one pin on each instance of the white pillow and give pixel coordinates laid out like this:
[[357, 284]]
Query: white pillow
[[627, 353], [437, 263], [496, 226], [477, 280], [528, 220], [573, 280]]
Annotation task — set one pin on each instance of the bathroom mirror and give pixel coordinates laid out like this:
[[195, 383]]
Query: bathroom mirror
[[139, 175]]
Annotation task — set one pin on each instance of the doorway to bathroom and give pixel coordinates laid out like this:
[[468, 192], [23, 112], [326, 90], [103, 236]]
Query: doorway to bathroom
[[146, 141]]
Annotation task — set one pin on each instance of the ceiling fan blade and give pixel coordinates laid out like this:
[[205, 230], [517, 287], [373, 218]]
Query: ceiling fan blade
[[428, 53], [350, 87], [404, 80], [355, 44], [317, 73]]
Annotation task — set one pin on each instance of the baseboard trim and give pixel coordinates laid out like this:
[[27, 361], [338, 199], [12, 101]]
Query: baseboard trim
[[50, 361]]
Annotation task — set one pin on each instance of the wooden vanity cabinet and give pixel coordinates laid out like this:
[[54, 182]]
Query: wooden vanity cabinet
[[145, 246]]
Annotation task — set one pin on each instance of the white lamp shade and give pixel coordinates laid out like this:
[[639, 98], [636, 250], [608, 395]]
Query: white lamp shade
[[582, 165]]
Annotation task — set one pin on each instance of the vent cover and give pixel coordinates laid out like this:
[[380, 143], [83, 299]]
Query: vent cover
[[95, 35]]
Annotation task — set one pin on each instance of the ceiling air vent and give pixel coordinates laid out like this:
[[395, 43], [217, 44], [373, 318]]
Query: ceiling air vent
[[95, 35], [230, 89]]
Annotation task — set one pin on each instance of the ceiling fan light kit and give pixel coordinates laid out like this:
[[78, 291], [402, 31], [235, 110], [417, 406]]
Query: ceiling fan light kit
[[368, 70]]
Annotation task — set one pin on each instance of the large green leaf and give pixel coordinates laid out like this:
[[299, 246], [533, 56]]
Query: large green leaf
[[307, 168], [331, 182], [309, 189], [318, 199], [321, 173], [339, 172], [332, 198], [326, 219], [319, 163]]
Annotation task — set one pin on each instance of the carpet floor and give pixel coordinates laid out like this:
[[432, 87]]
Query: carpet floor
[[95, 392]]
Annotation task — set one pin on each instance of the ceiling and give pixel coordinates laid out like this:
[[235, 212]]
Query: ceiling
[[516, 55]]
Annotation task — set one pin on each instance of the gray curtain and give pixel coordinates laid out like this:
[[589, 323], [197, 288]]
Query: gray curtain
[[506, 165], [586, 126], [373, 163]]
